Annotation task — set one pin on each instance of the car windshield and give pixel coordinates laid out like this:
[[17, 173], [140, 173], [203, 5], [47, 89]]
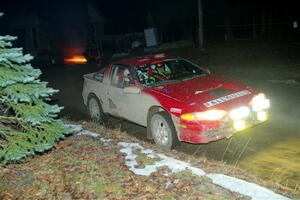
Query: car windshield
[[167, 72]]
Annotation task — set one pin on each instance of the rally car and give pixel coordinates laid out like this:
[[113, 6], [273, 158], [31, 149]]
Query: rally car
[[174, 98]]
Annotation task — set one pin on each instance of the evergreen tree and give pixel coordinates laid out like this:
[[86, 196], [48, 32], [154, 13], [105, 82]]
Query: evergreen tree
[[27, 121]]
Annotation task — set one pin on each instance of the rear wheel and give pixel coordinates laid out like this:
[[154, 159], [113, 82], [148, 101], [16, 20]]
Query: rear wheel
[[95, 109], [163, 130]]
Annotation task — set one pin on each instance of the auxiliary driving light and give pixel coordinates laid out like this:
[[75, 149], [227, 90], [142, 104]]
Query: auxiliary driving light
[[260, 102], [239, 125], [262, 116], [239, 113]]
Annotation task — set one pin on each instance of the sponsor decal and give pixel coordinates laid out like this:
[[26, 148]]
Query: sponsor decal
[[226, 98], [198, 92], [175, 110], [168, 90], [193, 104]]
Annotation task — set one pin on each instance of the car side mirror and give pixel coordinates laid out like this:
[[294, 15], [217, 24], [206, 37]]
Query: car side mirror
[[132, 90], [99, 77]]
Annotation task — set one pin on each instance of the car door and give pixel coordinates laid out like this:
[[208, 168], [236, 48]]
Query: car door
[[118, 100], [126, 99]]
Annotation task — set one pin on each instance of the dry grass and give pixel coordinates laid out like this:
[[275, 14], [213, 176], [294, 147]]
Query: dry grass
[[281, 160], [82, 167], [209, 166]]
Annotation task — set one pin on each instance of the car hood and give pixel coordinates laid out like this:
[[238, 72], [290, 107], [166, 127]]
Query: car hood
[[197, 91]]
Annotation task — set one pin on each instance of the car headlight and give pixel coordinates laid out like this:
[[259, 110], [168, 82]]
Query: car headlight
[[239, 113], [262, 116], [260, 102], [209, 115]]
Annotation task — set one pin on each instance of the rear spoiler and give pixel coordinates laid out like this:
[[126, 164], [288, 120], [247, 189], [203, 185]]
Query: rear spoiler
[[89, 76]]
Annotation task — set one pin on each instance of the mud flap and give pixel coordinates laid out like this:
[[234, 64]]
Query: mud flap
[[176, 125], [149, 135]]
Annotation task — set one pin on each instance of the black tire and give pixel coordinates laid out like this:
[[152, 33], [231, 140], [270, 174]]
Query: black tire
[[163, 130], [95, 109]]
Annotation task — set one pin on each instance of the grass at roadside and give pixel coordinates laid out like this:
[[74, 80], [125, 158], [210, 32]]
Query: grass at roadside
[[209, 166], [82, 167], [284, 168]]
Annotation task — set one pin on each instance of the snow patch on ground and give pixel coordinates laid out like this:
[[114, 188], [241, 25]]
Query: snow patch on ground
[[252, 190], [95, 135], [288, 82], [105, 141], [173, 164], [89, 133], [75, 128]]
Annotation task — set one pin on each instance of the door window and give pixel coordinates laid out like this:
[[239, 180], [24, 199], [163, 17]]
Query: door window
[[121, 77]]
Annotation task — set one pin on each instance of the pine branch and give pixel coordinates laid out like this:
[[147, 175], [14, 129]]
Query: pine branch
[[9, 120], [28, 123]]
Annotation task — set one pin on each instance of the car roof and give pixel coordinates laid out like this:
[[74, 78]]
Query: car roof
[[141, 60]]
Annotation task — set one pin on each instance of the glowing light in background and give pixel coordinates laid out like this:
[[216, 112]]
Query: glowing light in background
[[78, 59]]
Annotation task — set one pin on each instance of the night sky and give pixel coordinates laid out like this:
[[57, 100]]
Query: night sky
[[174, 19], [133, 15]]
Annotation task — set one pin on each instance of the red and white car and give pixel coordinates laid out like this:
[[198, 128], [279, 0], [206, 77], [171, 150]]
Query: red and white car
[[174, 98]]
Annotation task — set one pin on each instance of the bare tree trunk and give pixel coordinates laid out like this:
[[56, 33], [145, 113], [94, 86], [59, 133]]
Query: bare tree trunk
[[228, 34], [263, 24], [246, 28], [200, 25], [150, 20], [228, 29], [253, 28], [270, 20]]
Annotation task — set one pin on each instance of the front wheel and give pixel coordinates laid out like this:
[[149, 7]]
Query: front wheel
[[163, 131]]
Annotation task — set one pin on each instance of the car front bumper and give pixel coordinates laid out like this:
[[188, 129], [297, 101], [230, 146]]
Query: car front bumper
[[205, 132]]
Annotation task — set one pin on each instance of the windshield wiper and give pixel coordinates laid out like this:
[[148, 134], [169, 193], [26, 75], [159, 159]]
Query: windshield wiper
[[163, 83], [189, 77]]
